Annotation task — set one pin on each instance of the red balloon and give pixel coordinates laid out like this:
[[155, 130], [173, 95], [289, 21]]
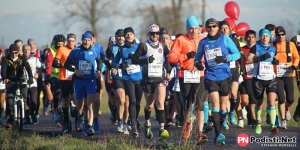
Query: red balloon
[[232, 10], [203, 30], [231, 23], [242, 28]]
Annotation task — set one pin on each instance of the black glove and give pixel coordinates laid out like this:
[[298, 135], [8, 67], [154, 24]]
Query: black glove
[[30, 81], [199, 66], [190, 55], [123, 66], [130, 56], [220, 59], [261, 58], [275, 62], [294, 67], [168, 67], [151, 59]]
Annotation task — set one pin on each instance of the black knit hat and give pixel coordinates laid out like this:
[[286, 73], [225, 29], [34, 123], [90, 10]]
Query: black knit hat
[[221, 23], [119, 32], [13, 47], [128, 29]]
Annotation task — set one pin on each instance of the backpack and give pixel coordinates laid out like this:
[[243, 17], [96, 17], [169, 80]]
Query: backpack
[[287, 50]]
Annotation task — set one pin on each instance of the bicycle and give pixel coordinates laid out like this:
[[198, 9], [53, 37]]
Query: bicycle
[[19, 104]]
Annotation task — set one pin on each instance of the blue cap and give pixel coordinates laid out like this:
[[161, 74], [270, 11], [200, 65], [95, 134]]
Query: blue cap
[[264, 31], [199, 22], [191, 21], [86, 35]]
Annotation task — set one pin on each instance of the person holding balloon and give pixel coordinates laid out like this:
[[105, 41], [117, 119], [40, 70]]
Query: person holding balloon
[[218, 51], [262, 55]]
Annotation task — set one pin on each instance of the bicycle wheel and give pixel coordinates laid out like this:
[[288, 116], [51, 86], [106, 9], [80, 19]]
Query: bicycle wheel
[[19, 115]]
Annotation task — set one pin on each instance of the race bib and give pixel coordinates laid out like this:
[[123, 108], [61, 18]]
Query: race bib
[[191, 76], [284, 70], [131, 69], [85, 66], [155, 69], [249, 70], [266, 68], [120, 73], [232, 64], [211, 56], [2, 86]]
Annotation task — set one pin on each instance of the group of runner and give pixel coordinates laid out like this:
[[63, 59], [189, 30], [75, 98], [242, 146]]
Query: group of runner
[[203, 78]]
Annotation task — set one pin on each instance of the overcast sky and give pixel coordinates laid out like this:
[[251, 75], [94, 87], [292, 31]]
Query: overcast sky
[[23, 19]]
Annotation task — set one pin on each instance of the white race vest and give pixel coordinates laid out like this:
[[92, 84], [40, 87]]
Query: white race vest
[[211, 55], [34, 63], [155, 69], [284, 70], [85, 66]]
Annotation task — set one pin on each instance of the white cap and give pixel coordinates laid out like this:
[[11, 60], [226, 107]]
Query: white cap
[[153, 28], [173, 37]]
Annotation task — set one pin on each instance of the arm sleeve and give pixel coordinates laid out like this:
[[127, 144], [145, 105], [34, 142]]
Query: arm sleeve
[[108, 56], [253, 50], [116, 60], [99, 64], [141, 51], [199, 53], [295, 54], [175, 55], [27, 67], [4, 68], [69, 61], [234, 53]]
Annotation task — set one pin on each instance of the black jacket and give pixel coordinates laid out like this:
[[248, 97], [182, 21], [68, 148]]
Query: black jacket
[[14, 70]]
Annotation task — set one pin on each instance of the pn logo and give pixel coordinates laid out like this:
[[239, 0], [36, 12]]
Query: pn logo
[[243, 139]]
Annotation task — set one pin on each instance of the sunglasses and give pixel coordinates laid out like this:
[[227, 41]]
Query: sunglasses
[[14, 52], [280, 34], [154, 33], [210, 27]]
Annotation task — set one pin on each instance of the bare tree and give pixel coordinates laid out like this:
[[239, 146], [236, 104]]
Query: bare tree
[[92, 14]]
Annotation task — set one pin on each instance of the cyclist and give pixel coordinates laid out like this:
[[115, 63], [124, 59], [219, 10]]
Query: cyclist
[[12, 70]]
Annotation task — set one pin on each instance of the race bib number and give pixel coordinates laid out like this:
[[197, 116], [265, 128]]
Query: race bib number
[[266, 68], [69, 74], [85, 66], [120, 73], [284, 70], [211, 56], [232, 64], [155, 69], [132, 68], [249, 70], [191, 76]]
